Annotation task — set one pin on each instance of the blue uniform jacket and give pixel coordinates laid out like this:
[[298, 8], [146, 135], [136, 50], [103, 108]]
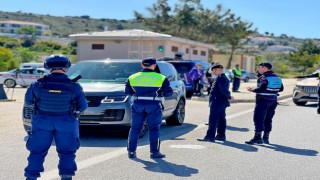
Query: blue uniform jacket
[[219, 93], [164, 91], [263, 84], [79, 97]]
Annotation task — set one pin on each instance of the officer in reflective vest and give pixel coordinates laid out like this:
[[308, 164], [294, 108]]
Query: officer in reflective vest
[[56, 100], [236, 78], [148, 89], [316, 74], [268, 87]]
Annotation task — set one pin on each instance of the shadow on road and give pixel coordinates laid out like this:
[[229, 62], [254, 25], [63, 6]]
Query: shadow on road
[[102, 139], [232, 128], [291, 150], [162, 166], [243, 147]]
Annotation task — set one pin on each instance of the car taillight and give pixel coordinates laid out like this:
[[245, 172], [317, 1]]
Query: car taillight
[[187, 78]]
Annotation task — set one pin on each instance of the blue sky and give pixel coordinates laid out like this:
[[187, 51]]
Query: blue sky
[[298, 18]]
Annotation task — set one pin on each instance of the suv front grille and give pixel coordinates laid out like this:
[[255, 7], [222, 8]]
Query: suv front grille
[[310, 89], [94, 101], [106, 115]]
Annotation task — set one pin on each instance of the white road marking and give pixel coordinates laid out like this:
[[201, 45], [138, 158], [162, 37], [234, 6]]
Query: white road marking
[[53, 174], [187, 146]]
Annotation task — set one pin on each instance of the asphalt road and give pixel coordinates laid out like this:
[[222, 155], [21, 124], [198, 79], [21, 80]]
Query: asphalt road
[[292, 154]]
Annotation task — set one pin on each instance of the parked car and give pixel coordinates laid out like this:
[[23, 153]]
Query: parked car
[[245, 75], [183, 67], [22, 77], [305, 91], [103, 82]]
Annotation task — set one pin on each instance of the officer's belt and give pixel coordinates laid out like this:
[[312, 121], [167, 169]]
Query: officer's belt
[[148, 98]]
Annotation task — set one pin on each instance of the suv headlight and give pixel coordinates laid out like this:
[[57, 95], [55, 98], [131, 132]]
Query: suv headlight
[[115, 98]]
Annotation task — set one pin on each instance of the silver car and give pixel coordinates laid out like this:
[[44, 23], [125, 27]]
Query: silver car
[[103, 82], [305, 91]]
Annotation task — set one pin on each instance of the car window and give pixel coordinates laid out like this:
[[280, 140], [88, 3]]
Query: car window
[[169, 71], [182, 67], [26, 71], [39, 72], [111, 72]]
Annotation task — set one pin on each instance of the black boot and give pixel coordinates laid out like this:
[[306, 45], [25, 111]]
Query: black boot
[[132, 155], [265, 137], [256, 139], [157, 155], [220, 137]]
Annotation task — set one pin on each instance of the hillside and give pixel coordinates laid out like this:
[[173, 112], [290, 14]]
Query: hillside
[[66, 25], [63, 26]]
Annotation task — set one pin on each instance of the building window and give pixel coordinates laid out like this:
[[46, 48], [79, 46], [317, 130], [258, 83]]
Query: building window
[[195, 52], [15, 25], [98, 46], [187, 51], [174, 49], [203, 53]]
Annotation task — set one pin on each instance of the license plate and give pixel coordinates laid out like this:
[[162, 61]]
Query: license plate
[[313, 95]]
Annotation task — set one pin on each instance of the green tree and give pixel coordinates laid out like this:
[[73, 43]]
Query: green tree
[[7, 60], [29, 35], [25, 55], [9, 42], [160, 19], [235, 34], [306, 57]]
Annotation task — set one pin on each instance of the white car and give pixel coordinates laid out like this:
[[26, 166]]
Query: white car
[[23, 77]]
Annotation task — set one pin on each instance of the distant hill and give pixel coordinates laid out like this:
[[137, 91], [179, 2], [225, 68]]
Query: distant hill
[[64, 26]]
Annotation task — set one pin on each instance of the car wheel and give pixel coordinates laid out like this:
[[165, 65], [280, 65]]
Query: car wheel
[[299, 103], [178, 116], [246, 79], [144, 129], [10, 83]]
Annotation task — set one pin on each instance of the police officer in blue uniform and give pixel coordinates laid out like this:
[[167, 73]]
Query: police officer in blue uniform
[[219, 100], [56, 100], [147, 89], [268, 87]]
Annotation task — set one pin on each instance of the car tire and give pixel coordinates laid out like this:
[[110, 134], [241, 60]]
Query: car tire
[[10, 83], [246, 79], [295, 101], [178, 116]]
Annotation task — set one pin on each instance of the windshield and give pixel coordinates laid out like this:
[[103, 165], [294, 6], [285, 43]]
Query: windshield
[[109, 72], [183, 67]]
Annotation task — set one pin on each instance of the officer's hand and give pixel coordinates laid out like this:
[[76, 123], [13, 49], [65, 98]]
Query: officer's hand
[[250, 89], [231, 99]]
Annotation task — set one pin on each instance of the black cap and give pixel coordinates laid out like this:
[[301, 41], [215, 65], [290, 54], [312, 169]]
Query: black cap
[[266, 64], [217, 65], [149, 61]]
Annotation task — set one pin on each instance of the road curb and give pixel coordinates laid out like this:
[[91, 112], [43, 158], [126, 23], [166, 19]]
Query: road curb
[[206, 98]]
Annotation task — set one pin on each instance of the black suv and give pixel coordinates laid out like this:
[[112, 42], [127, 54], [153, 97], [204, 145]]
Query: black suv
[[103, 82]]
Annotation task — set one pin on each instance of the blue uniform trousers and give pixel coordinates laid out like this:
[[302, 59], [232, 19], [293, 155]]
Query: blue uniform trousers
[[64, 129], [153, 114], [263, 114], [217, 121], [236, 84]]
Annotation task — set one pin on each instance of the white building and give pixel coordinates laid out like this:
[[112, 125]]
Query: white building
[[11, 27], [136, 44]]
